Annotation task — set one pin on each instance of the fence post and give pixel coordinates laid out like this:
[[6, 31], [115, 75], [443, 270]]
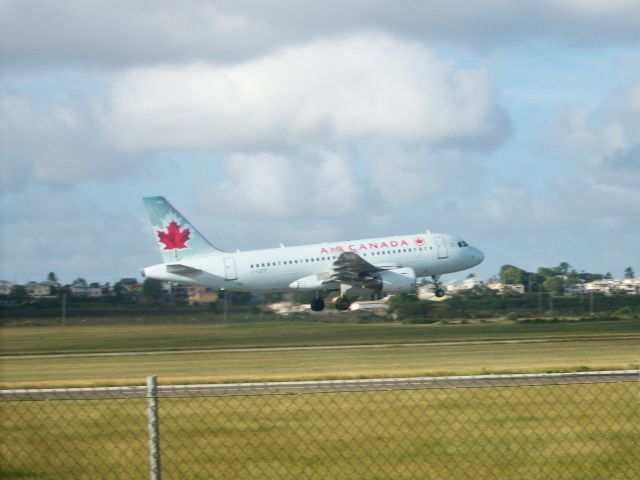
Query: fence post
[[154, 434]]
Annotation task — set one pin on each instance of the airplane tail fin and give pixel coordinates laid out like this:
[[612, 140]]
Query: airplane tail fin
[[176, 237]]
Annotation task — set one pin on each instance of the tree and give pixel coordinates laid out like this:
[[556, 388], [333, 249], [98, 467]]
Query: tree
[[554, 284], [563, 268], [19, 294], [510, 275], [152, 289], [471, 275], [537, 280], [408, 304], [52, 277], [628, 273]]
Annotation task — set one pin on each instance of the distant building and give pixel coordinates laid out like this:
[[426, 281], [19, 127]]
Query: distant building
[[607, 286], [285, 308], [5, 287], [631, 286], [467, 284], [81, 289], [199, 295], [612, 286], [503, 288], [38, 290], [575, 289]]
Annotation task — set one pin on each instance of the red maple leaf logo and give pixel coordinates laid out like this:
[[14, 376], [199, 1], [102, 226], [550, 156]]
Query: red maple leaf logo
[[174, 238], [419, 241]]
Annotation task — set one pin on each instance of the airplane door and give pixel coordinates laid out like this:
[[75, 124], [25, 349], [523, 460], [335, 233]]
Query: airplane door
[[441, 247], [230, 269]]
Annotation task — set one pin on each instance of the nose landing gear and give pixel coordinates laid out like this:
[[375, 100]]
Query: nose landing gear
[[439, 291]]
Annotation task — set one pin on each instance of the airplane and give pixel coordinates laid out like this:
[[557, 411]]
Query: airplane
[[376, 265]]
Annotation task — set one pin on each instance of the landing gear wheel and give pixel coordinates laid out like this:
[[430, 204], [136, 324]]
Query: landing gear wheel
[[317, 305], [436, 283], [342, 303]]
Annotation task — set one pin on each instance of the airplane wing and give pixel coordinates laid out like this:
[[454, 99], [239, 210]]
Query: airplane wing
[[351, 267]]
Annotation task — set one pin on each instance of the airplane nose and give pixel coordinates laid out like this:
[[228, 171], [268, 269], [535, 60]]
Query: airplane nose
[[477, 256]]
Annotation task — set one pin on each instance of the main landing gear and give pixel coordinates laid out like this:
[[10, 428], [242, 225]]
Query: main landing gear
[[342, 303], [317, 304], [439, 290]]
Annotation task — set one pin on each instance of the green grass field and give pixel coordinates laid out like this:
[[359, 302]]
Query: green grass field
[[184, 336], [565, 346], [559, 432]]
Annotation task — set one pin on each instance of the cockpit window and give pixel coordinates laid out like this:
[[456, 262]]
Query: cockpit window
[[462, 243]]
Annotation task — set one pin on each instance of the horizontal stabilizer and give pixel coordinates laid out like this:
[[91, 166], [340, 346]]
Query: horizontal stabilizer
[[183, 270]]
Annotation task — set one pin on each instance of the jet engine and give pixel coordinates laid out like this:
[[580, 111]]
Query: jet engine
[[390, 281]]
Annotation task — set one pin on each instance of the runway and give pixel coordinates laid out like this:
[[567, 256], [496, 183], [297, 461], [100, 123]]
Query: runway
[[325, 386], [584, 338]]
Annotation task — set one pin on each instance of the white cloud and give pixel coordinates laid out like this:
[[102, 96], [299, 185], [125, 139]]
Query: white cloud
[[327, 91], [594, 187], [605, 142], [58, 145], [120, 32], [60, 231], [277, 186]]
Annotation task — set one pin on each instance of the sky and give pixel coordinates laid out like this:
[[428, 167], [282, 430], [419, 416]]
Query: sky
[[513, 124]]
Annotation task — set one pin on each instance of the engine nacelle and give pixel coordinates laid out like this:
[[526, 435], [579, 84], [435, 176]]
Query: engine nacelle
[[396, 280]]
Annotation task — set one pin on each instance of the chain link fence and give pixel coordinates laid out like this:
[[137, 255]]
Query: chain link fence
[[584, 425]]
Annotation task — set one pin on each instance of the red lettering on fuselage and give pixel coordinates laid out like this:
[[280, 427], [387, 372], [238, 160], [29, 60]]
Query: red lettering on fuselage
[[364, 246]]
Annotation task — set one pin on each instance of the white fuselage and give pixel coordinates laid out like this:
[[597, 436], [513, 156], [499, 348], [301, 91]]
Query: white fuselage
[[276, 269]]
